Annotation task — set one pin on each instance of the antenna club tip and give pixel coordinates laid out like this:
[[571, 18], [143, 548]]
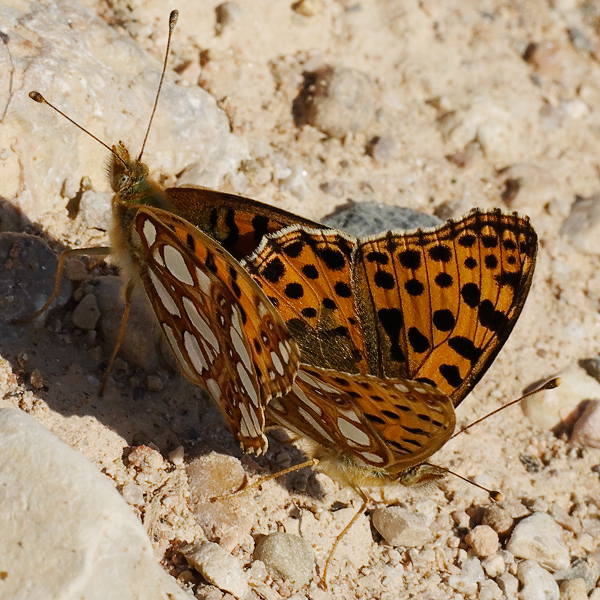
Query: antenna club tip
[[173, 18], [553, 383], [37, 97], [496, 496]]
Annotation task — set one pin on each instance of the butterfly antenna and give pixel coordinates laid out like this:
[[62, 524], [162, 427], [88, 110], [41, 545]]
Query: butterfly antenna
[[37, 97], [172, 22], [549, 385], [495, 495]]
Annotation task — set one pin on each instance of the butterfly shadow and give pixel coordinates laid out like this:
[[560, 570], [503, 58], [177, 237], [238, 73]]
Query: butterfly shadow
[[62, 364]]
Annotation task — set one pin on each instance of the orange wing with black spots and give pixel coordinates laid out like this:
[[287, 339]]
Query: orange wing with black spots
[[307, 275], [432, 305], [224, 333], [444, 300]]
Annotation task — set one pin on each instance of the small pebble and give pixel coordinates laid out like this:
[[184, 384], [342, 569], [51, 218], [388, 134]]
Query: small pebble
[[177, 456], [538, 537], [145, 458], [218, 567], [154, 383], [497, 518], [341, 101], [573, 589], [509, 585], [489, 590], [401, 527], [132, 494], [75, 270], [286, 557], [383, 149], [308, 8], [483, 540], [467, 580], [37, 379], [537, 583], [227, 13], [494, 565], [582, 226], [586, 431], [86, 313]]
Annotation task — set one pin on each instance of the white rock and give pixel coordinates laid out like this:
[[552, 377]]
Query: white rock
[[218, 567], [537, 583], [401, 527], [287, 556], [108, 84], [509, 584], [66, 532], [586, 432], [489, 590], [538, 537], [553, 407]]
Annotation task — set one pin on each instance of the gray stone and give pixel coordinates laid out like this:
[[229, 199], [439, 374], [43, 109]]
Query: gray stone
[[66, 532], [287, 557], [218, 567], [401, 527], [27, 276], [537, 583], [538, 537], [369, 218]]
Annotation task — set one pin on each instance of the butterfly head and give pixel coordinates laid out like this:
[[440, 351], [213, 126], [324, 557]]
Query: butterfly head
[[130, 180]]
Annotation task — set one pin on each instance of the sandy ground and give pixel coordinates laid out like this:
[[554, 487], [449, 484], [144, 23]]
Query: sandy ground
[[469, 104]]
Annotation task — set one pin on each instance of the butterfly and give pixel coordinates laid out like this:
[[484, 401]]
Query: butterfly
[[394, 331], [224, 333]]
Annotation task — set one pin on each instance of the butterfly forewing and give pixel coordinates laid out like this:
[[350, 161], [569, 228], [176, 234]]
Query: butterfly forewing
[[307, 274], [392, 424], [223, 331], [444, 300], [237, 223]]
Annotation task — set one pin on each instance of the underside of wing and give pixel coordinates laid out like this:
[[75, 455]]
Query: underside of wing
[[390, 424], [223, 331]]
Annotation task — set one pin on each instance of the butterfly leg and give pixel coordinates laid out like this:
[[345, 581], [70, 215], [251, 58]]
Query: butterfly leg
[[338, 539], [129, 286], [100, 251], [309, 463]]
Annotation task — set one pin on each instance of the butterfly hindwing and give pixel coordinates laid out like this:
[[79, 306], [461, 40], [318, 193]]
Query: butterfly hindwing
[[392, 424], [224, 332]]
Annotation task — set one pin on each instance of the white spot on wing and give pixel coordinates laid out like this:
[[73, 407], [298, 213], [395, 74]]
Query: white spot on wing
[[308, 418], [277, 363], [149, 232], [164, 296], [284, 353], [203, 281], [194, 353], [247, 383], [238, 342], [304, 398], [401, 388], [176, 264], [374, 458], [199, 323], [177, 352], [214, 389], [353, 433]]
